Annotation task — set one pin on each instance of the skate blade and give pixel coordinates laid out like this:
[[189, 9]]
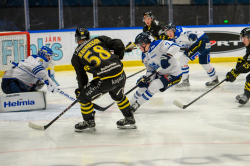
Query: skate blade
[[128, 127], [241, 105], [182, 89], [86, 130]]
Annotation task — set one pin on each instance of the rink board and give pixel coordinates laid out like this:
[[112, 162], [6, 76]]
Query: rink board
[[225, 43], [23, 101]]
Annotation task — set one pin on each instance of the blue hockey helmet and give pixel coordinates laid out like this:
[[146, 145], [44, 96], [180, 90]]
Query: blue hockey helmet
[[81, 34], [170, 26], [45, 52], [142, 38]]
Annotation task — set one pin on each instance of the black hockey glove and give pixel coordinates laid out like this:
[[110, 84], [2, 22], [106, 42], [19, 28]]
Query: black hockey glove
[[164, 61], [77, 92], [142, 83], [231, 76], [39, 84]]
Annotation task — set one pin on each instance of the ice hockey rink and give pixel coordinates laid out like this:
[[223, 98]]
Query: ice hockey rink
[[212, 131]]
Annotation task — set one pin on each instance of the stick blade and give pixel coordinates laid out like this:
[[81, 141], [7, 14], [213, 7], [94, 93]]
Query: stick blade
[[36, 127], [178, 104]]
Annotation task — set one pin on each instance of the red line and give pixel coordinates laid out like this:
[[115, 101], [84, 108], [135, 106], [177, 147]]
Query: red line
[[98, 146]]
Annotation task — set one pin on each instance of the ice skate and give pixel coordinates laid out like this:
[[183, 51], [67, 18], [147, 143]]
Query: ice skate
[[86, 125], [237, 98], [134, 106], [183, 86], [242, 99], [127, 123], [212, 83]]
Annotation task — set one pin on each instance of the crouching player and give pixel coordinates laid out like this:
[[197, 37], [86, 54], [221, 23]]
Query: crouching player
[[15, 80], [242, 66], [157, 55]]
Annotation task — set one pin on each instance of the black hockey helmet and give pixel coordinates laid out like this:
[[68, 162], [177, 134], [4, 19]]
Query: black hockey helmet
[[82, 33], [245, 33], [148, 14], [142, 38], [170, 26]]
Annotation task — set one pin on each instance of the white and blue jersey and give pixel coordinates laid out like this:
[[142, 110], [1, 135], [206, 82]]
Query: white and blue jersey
[[182, 37], [152, 58], [34, 64]]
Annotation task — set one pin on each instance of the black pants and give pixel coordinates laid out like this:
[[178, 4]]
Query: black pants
[[98, 87]]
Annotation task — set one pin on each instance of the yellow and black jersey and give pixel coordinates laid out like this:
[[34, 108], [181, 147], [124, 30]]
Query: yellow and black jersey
[[94, 56], [243, 64], [156, 30]]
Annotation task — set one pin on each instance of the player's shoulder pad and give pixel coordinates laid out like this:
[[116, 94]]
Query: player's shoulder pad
[[178, 32], [154, 44], [42, 57]]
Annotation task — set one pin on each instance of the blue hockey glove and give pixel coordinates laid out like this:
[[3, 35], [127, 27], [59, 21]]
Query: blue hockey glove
[[164, 61], [192, 37], [142, 83]]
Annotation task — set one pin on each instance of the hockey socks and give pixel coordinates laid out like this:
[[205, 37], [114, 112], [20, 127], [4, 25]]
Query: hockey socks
[[210, 71], [124, 106], [185, 72], [147, 95]]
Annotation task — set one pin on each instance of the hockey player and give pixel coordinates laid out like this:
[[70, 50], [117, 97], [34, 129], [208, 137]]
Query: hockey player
[[242, 66], [156, 56], [93, 56], [197, 45], [152, 27], [15, 80]]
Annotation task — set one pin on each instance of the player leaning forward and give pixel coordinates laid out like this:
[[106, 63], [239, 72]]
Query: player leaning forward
[[197, 45], [93, 56], [156, 56], [15, 80], [242, 66]]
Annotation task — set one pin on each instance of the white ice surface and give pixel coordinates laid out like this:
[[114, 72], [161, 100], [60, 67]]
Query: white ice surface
[[212, 131]]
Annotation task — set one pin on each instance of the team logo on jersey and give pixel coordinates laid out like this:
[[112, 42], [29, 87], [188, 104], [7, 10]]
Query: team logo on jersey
[[40, 61], [223, 41]]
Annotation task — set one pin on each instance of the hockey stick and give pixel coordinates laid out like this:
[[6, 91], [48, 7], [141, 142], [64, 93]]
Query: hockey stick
[[133, 88], [178, 104], [37, 127], [97, 107], [135, 73]]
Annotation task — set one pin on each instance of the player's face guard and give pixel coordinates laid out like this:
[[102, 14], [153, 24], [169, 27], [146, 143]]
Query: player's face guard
[[244, 37], [78, 38], [142, 44]]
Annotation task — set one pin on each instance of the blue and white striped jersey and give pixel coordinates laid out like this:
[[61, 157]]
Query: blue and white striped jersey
[[34, 64], [182, 37], [152, 58]]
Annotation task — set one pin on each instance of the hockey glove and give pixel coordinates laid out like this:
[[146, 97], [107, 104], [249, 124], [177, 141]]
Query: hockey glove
[[53, 88], [164, 61], [39, 84], [77, 92], [129, 47], [192, 37], [142, 83], [231, 76]]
